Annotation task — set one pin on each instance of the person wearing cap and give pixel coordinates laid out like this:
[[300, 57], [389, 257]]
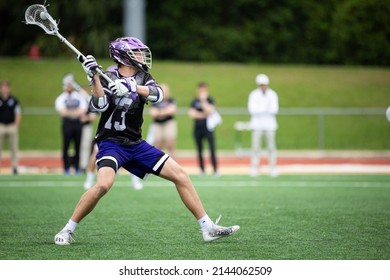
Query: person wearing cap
[[87, 120], [71, 106], [263, 106]]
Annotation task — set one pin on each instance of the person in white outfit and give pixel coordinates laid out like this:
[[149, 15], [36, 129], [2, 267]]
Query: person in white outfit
[[263, 106]]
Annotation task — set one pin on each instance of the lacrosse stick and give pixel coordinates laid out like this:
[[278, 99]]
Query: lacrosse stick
[[38, 15]]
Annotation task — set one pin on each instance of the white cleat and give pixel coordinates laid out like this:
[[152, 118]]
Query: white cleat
[[88, 184], [219, 231], [254, 172], [63, 238], [137, 184], [274, 173]]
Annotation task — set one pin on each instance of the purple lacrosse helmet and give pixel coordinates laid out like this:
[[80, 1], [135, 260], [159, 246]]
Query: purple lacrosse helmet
[[131, 51]]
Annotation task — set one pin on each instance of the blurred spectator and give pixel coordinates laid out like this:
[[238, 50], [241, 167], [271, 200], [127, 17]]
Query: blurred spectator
[[34, 53], [87, 120], [87, 133], [164, 124], [10, 118], [201, 108], [263, 106], [71, 106]]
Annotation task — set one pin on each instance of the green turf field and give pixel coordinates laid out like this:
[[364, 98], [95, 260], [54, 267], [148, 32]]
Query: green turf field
[[295, 217]]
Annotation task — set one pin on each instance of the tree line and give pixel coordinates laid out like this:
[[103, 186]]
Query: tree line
[[353, 32]]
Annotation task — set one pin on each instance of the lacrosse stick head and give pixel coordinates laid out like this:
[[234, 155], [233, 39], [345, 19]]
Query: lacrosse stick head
[[38, 15]]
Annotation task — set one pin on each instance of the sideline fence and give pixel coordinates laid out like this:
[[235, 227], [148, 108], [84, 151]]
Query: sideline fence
[[321, 124]]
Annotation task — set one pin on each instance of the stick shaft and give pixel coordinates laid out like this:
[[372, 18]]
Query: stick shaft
[[79, 54]]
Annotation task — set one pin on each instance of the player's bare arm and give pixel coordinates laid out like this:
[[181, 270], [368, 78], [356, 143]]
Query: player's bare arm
[[97, 88]]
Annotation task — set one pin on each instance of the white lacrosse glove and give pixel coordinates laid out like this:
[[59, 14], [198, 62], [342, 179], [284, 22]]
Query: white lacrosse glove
[[124, 86], [90, 65], [131, 84], [132, 87], [118, 87]]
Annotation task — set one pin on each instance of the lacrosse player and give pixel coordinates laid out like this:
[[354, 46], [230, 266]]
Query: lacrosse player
[[118, 136], [91, 167], [263, 106]]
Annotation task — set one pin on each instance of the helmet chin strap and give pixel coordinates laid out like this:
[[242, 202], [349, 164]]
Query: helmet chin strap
[[139, 66]]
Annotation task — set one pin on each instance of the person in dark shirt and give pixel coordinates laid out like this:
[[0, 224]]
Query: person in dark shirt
[[10, 118], [201, 108]]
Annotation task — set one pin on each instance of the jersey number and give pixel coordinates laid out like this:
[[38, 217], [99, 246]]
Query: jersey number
[[118, 125]]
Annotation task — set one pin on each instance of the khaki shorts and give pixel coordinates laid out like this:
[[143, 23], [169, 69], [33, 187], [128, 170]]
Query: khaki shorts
[[165, 131]]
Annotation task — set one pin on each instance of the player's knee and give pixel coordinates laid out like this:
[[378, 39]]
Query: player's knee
[[180, 175], [173, 172], [101, 189]]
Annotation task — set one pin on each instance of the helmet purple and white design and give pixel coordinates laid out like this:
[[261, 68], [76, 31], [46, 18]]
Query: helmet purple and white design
[[131, 51]]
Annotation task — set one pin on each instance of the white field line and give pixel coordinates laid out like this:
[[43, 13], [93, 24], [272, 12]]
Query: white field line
[[211, 183]]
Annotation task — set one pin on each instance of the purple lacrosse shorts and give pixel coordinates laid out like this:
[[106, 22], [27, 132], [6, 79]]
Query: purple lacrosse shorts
[[139, 159]]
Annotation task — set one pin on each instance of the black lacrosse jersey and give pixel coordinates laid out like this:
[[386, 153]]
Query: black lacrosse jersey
[[200, 124], [8, 109], [122, 121]]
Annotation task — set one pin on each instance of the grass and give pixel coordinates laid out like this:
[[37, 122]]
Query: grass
[[292, 217], [37, 83]]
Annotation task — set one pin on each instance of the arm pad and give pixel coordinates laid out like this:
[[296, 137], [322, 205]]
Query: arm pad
[[98, 104], [156, 94]]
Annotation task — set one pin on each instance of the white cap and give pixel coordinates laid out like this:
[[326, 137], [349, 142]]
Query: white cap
[[69, 79], [262, 79]]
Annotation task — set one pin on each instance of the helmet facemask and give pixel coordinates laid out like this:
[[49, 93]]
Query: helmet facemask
[[142, 58]]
